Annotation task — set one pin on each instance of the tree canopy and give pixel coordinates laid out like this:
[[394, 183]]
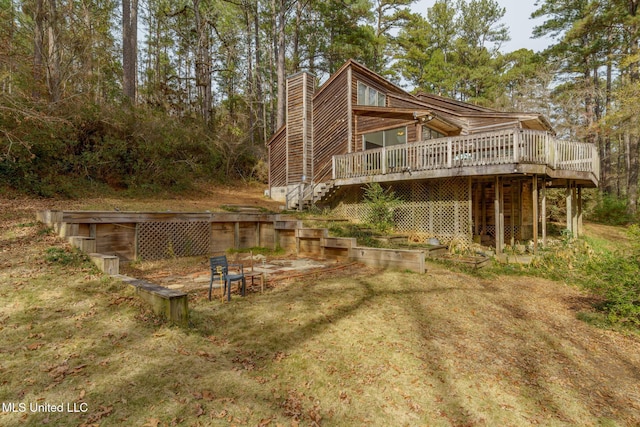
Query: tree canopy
[[75, 78]]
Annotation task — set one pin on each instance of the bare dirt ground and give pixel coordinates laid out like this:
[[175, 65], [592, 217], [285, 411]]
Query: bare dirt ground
[[353, 347]]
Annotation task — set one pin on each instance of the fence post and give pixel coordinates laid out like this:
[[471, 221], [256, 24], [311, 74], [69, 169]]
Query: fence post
[[449, 153], [517, 136]]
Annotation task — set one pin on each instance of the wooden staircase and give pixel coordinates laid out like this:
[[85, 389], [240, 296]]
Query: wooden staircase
[[313, 194]]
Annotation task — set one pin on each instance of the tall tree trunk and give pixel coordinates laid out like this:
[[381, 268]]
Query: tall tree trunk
[[257, 76], [632, 139], [129, 48], [280, 63], [631, 142], [295, 66], [38, 45], [605, 152], [53, 56], [203, 64], [250, 83]]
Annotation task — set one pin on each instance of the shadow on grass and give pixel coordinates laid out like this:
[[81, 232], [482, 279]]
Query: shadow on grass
[[449, 349]]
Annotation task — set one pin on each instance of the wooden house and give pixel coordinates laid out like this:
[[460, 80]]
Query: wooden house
[[465, 172]]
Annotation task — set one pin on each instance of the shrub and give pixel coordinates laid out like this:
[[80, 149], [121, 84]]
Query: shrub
[[611, 210], [380, 205]]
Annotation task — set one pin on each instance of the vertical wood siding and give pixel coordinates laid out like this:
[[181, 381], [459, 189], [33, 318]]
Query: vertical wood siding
[[300, 90], [278, 160], [331, 117]]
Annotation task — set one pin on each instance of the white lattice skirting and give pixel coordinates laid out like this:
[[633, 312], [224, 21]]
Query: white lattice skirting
[[440, 209]]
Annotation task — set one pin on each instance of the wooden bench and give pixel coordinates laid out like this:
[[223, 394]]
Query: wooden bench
[[168, 303]]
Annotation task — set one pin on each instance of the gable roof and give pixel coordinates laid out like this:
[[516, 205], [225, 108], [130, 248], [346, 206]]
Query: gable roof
[[444, 114]]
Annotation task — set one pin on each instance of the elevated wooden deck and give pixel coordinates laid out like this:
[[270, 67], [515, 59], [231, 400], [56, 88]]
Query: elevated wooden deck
[[508, 152]]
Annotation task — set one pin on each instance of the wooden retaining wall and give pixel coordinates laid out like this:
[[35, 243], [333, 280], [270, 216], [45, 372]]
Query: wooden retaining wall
[[116, 237]]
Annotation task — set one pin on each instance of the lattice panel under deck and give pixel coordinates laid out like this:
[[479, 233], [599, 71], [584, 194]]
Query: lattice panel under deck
[[160, 240], [437, 209], [351, 205]]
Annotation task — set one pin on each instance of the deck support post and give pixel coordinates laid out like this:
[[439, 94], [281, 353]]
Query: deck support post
[[574, 211], [534, 194], [543, 214], [513, 225], [569, 202], [476, 209], [484, 210], [499, 216], [579, 228]]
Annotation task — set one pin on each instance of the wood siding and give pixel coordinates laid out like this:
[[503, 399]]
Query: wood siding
[[373, 124], [331, 117], [296, 128], [278, 160]]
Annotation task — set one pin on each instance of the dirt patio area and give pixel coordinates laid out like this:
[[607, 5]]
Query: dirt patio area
[[193, 274]]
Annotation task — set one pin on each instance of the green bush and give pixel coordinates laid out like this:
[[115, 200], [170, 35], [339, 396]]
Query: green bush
[[611, 210], [56, 152], [380, 206]]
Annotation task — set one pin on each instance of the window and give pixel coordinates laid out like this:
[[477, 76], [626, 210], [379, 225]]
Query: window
[[428, 133], [385, 138], [370, 96]]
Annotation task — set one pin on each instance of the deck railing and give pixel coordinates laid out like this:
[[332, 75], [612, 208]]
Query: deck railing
[[491, 148]]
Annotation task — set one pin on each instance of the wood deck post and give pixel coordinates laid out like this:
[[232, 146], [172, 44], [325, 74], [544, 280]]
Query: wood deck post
[[501, 233], [568, 199], [484, 210], [579, 211], [544, 212], [476, 203], [513, 225], [534, 194], [470, 206], [574, 216], [496, 203]]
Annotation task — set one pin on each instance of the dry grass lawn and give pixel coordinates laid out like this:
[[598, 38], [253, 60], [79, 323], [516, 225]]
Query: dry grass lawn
[[361, 347]]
